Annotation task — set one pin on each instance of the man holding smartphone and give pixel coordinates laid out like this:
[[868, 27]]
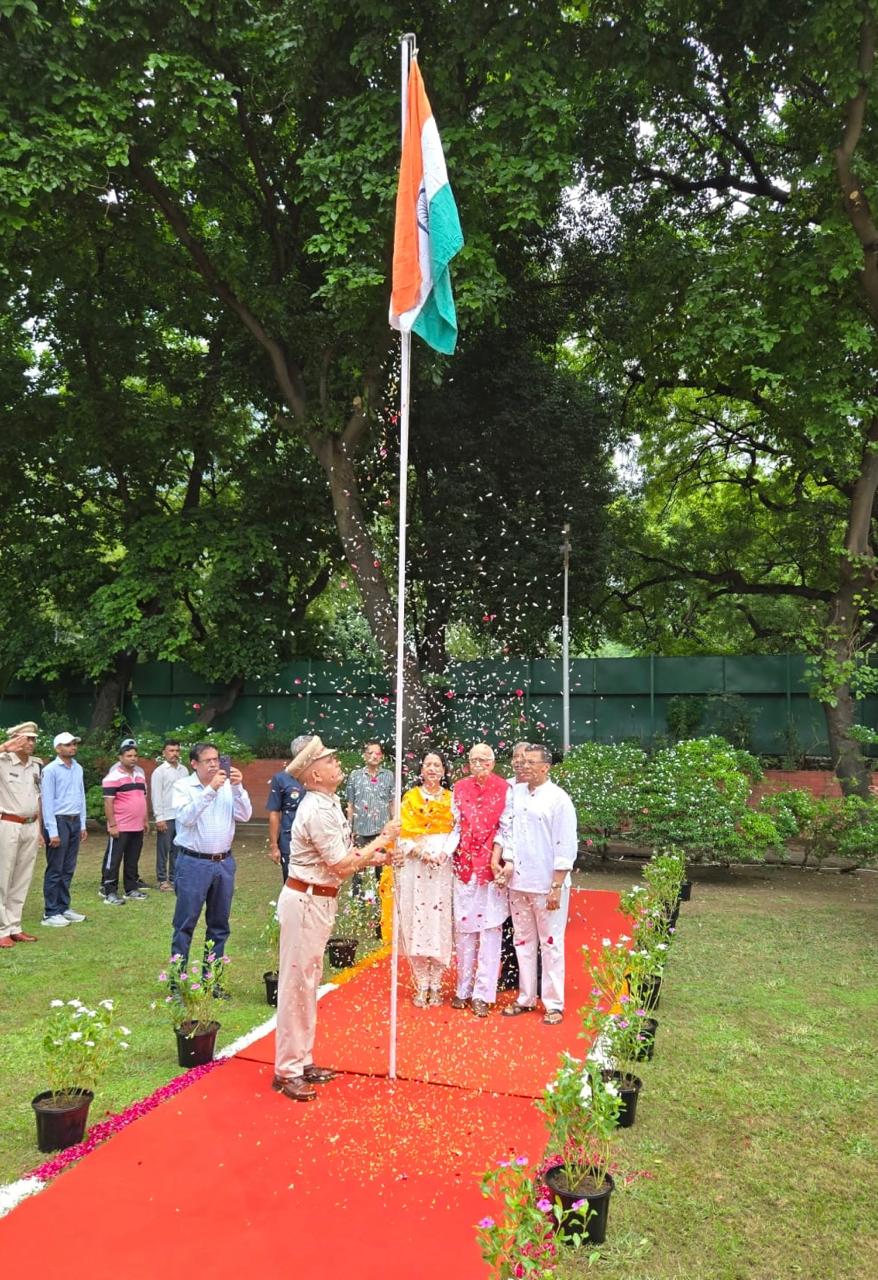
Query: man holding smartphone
[[207, 805]]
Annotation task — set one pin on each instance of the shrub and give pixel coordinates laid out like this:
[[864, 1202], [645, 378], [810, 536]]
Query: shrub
[[603, 781], [694, 794]]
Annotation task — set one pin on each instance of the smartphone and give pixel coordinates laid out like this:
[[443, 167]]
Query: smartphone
[[225, 763]]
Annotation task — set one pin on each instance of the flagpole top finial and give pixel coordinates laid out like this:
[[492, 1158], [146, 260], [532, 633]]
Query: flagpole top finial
[[410, 39]]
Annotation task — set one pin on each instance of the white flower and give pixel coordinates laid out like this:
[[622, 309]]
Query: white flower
[[57, 1004], [90, 1043], [106, 1004], [611, 1089], [92, 1013], [123, 1044], [75, 1035], [605, 942], [75, 1004], [125, 1031]]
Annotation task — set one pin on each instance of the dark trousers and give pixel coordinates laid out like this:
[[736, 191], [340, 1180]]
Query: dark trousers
[[60, 865], [201, 883], [125, 849], [166, 852], [284, 845]]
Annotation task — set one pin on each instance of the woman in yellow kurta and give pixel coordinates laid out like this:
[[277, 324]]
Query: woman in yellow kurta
[[423, 877]]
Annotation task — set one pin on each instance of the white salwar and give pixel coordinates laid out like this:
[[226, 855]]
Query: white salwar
[[423, 890]]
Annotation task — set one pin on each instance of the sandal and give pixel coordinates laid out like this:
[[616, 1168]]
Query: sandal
[[552, 1017], [513, 1010]]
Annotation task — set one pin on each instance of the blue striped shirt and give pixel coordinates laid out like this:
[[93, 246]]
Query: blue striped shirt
[[63, 791]]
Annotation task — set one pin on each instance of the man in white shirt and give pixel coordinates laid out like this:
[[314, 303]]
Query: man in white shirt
[[207, 804], [161, 792], [539, 851]]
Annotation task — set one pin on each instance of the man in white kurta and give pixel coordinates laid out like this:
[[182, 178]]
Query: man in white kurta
[[539, 852]]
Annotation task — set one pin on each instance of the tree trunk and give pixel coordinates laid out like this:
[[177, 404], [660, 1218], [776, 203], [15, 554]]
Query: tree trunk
[[419, 711], [111, 690], [857, 575], [221, 702]]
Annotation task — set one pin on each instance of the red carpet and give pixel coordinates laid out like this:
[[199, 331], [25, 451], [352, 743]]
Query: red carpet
[[448, 1046], [375, 1179]]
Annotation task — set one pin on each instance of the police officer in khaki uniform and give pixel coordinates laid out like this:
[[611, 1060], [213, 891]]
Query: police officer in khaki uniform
[[19, 827]]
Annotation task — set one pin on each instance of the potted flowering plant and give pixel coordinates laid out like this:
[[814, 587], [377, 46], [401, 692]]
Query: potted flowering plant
[[79, 1045], [271, 939], [581, 1109], [190, 1002], [518, 1238]]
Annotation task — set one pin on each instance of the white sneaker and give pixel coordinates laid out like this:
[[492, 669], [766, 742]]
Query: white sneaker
[[72, 917], [54, 922]]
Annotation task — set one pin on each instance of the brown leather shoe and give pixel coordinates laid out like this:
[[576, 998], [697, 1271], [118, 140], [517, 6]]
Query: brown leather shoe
[[480, 1009], [6, 942], [319, 1075], [22, 937], [296, 1088]]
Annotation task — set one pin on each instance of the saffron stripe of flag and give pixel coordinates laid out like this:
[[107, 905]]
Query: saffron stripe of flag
[[427, 233]]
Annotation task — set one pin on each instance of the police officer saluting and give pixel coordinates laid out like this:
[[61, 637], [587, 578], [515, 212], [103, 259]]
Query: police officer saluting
[[19, 827]]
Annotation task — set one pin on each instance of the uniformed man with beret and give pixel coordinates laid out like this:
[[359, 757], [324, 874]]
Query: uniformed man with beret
[[19, 827], [322, 855]]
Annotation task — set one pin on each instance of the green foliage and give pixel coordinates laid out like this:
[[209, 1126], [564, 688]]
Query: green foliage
[[189, 989], [604, 782], [844, 827], [582, 1113], [684, 714], [695, 795], [81, 1044], [519, 1240]]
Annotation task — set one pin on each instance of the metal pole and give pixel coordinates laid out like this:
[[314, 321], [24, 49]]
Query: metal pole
[[565, 645], [408, 52]]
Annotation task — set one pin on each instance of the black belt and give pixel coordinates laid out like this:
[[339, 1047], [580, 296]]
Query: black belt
[[67, 815], [206, 857]]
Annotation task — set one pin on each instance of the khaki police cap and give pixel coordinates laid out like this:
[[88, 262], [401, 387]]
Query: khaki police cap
[[26, 729], [313, 751]]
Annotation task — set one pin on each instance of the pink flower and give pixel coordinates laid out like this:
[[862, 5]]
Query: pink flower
[[579, 1204], [519, 693], [298, 680], [196, 706], [270, 725], [486, 1224], [544, 1205]]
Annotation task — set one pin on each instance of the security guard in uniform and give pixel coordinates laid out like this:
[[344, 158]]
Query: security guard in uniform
[[19, 827]]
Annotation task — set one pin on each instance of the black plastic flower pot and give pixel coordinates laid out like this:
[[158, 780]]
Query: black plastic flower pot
[[195, 1048], [685, 890], [270, 980], [592, 1223], [342, 952], [629, 1091], [61, 1118], [647, 1044]]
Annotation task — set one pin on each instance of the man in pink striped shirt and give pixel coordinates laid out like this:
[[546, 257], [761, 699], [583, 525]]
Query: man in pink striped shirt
[[125, 810]]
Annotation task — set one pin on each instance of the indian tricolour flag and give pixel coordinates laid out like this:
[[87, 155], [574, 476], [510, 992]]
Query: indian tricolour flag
[[428, 233]]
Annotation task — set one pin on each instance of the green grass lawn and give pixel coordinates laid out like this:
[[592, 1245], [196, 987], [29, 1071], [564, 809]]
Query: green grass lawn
[[757, 1128], [755, 1152], [118, 952]]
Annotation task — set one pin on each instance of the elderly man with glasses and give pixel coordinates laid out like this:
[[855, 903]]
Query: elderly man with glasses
[[480, 903], [539, 846]]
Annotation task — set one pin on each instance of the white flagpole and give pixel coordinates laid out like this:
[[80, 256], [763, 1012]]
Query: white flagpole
[[408, 51]]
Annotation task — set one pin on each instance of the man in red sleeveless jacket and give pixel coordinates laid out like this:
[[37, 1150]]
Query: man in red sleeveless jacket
[[480, 905]]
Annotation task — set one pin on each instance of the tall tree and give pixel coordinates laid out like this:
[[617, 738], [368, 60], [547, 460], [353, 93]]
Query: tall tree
[[266, 139], [731, 160]]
